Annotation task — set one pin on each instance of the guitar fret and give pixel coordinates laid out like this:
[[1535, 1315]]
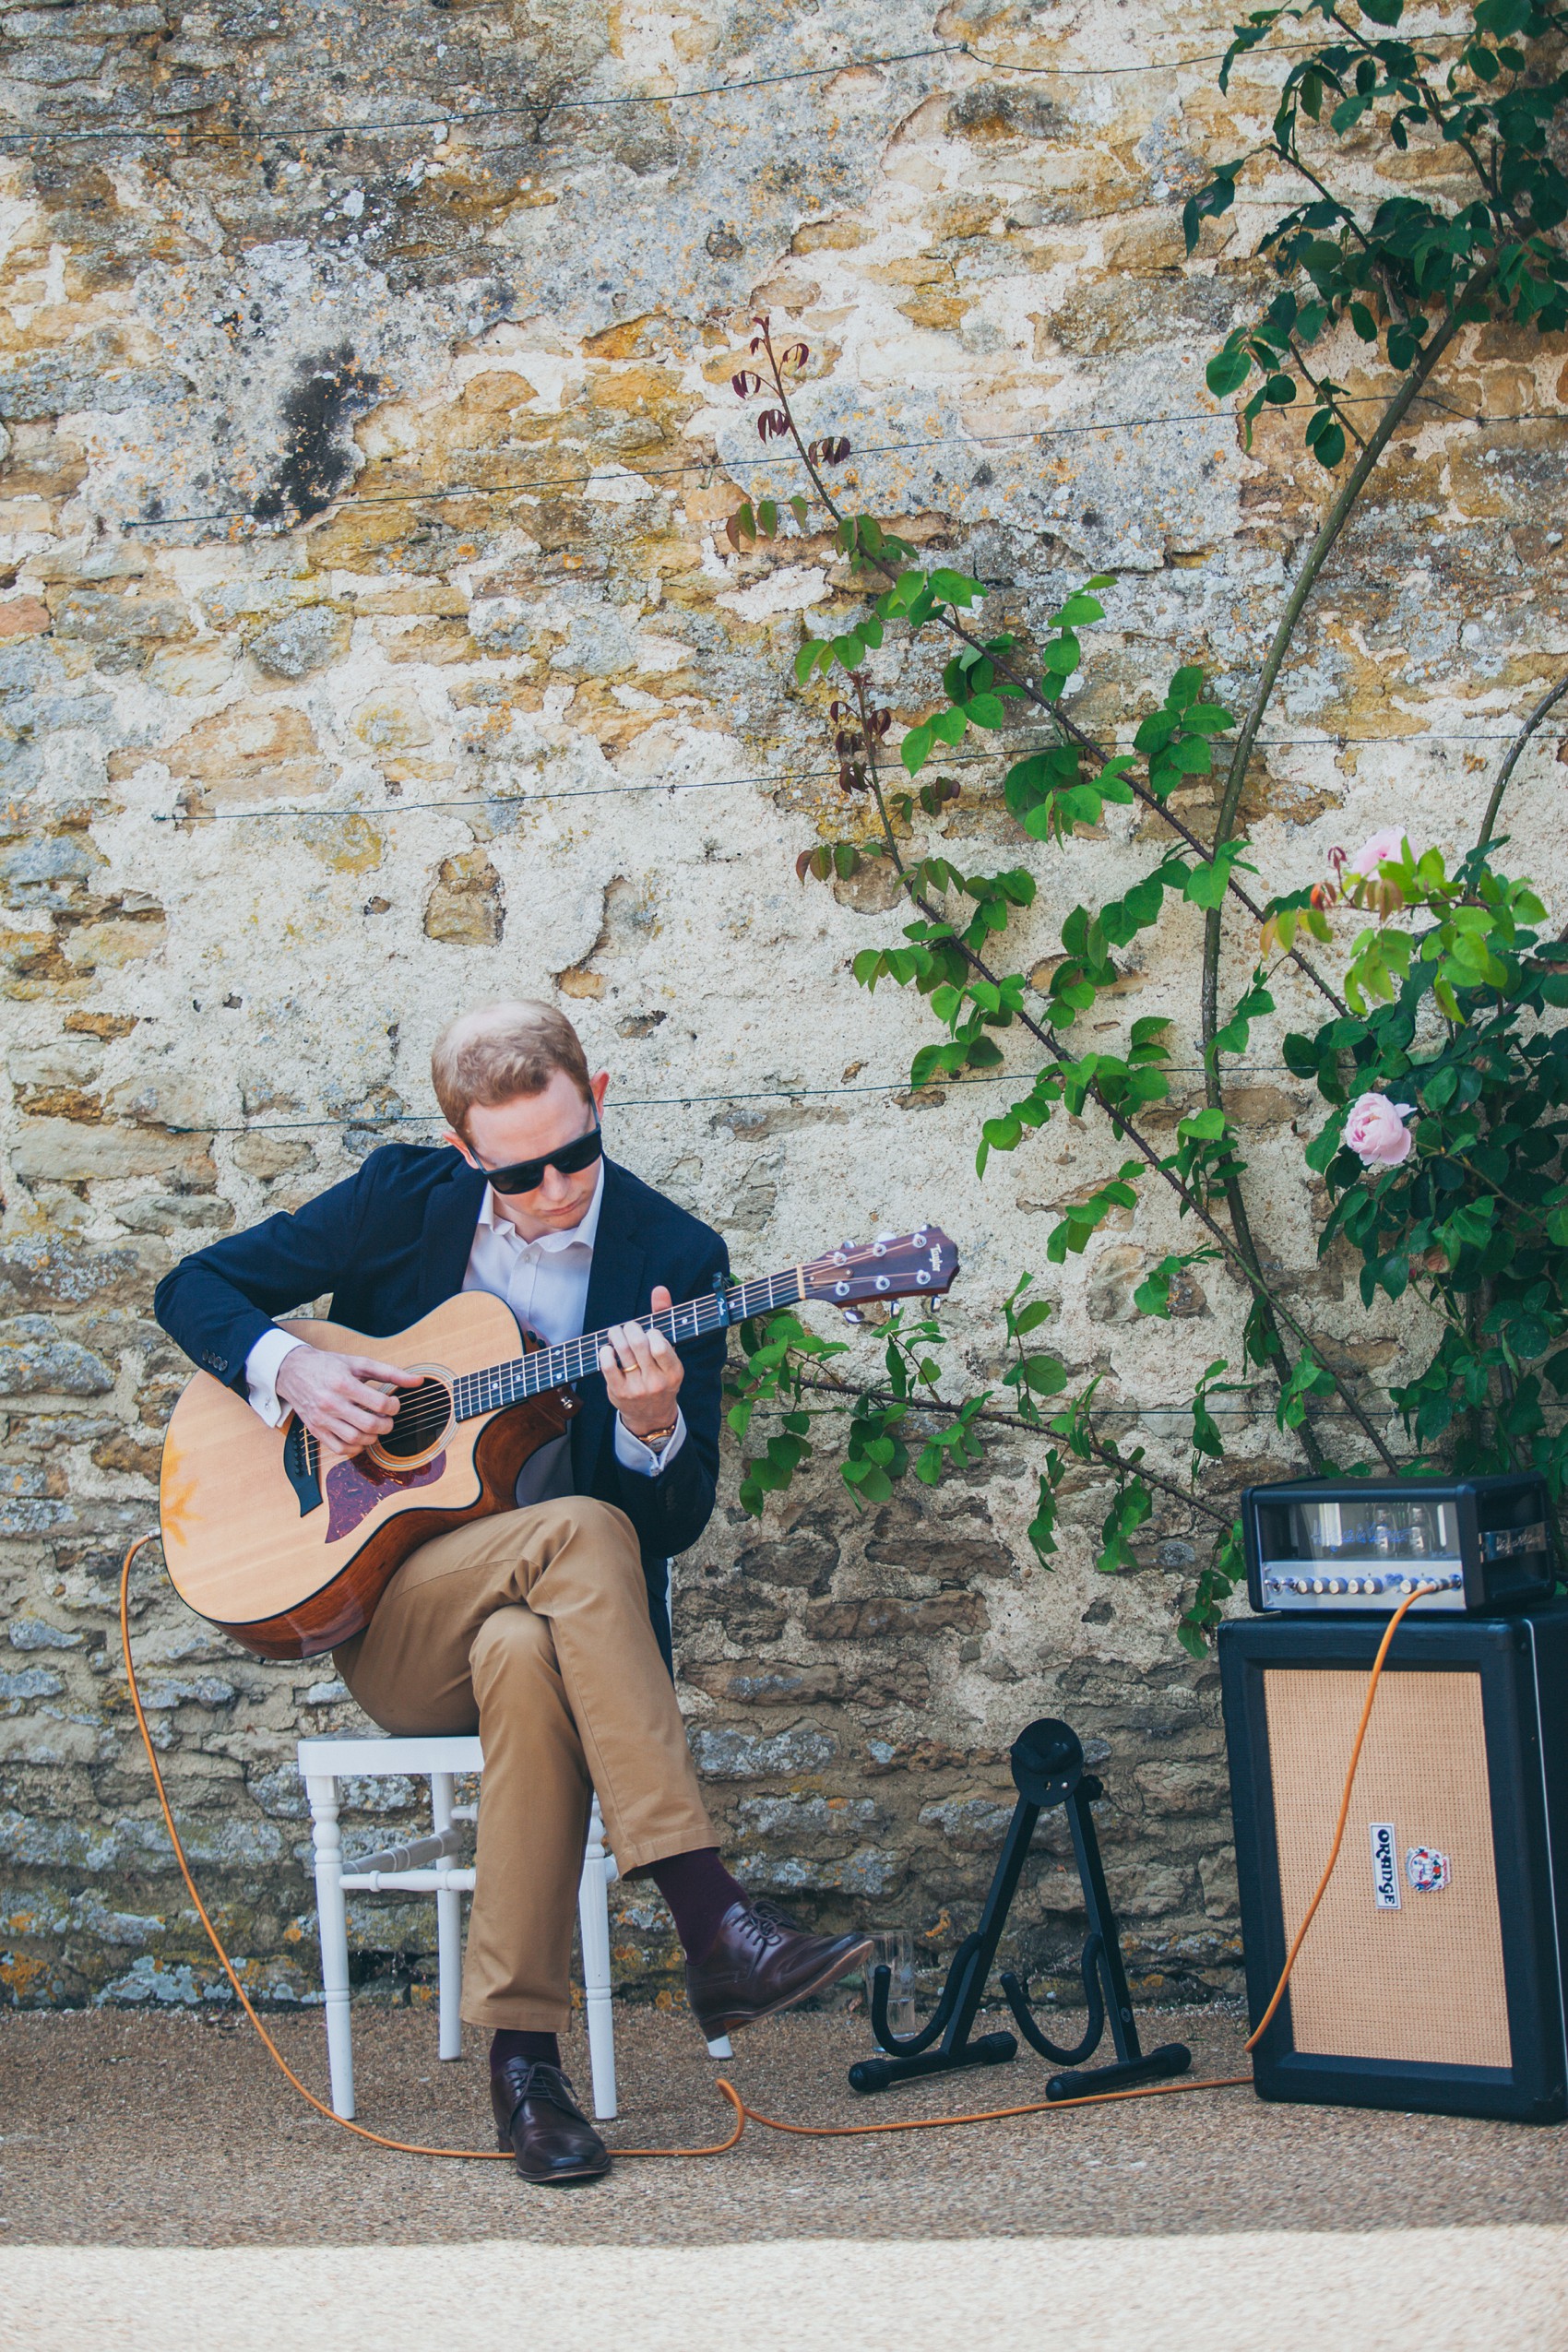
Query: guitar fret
[[543, 1369]]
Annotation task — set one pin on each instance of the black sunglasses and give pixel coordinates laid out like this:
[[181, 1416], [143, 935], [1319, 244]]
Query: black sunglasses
[[528, 1175]]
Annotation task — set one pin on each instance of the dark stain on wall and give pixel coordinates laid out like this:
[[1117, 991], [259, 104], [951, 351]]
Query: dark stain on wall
[[318, 457]]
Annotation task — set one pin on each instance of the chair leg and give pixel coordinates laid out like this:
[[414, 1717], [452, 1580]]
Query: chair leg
[[333, 1929], [720, 2049], [449, 1930], [593, 1923]]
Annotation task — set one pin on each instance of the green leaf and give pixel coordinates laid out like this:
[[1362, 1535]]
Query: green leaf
[[1205, 886], [956, 587], [915, 749], [1226, 372], [1079, 610]]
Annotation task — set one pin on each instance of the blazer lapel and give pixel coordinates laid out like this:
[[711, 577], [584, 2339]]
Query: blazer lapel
[[615, 1292], [450, 1218]]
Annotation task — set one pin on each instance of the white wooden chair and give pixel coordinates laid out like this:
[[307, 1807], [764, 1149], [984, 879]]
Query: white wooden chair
[[420, 1867]]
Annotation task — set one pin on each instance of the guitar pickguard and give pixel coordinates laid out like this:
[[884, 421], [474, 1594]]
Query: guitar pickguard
[[352, 1492]]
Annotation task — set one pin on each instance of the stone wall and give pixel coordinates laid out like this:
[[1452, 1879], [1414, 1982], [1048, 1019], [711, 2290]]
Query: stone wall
[[370, 645]]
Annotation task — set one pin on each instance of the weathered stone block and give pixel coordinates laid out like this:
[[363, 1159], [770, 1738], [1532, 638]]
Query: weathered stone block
[[886, 1616], [178, 1215], [722, 1753], [973, 1824], [264, 1156], [254, 750], [44, 1270], [302, 642], [66, 1152], [801, 1562], [467, 908], [757, 1682], [35, 1360]]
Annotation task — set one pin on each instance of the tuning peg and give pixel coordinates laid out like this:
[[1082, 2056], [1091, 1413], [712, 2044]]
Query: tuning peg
[[853, 1315]]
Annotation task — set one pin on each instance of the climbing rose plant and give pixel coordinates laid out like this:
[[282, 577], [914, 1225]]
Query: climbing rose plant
[[1443, 1069]]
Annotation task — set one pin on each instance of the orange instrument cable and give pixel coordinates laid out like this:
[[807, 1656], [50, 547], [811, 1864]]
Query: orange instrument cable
[[1152, 2090], [1372, 1680], [744, 2114], [403, 2147]]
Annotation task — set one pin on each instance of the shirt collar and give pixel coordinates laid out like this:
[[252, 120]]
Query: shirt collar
[[575, 1237]]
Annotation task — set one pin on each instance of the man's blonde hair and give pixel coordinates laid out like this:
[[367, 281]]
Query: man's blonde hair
[[499, 1051]]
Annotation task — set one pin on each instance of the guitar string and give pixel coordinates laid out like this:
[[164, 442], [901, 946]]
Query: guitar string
[[546, 1369]]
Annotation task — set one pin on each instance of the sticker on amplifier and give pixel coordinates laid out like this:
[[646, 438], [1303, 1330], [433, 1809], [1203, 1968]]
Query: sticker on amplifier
[[1385, 1866], [1428, 1871]]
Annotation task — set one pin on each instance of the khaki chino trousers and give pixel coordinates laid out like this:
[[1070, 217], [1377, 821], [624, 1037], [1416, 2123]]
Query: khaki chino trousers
[[532, 1629]]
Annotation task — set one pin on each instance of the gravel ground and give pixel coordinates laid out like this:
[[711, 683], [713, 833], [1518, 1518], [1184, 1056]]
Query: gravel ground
[[123, 2129]]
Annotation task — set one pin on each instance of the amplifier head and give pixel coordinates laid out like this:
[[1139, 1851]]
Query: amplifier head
[[1360, 1546], [1429, 1977]]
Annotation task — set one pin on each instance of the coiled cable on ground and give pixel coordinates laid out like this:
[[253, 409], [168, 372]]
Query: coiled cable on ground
[[744, 2114]]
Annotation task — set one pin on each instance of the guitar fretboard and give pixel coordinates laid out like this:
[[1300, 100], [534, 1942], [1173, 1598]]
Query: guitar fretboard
[[574, 1360]]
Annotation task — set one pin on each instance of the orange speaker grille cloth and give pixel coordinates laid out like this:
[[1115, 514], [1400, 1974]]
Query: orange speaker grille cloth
[[1424, 1982]]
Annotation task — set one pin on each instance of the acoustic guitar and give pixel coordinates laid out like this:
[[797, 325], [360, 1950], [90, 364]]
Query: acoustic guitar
[[286, 1546]]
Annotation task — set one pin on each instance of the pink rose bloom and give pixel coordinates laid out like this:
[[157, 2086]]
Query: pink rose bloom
[[1386, 847], [1376, 1130]]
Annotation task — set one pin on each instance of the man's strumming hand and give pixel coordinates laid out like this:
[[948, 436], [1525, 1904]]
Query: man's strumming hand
[[343, 1400], [643, 1373]]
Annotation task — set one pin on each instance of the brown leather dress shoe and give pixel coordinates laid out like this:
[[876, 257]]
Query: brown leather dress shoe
[[539, 2120], [759, 1965]]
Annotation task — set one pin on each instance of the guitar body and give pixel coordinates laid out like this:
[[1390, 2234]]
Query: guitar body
[[288, 1547]]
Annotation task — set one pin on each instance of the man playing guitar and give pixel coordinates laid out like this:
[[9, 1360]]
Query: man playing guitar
[[544, 1627]]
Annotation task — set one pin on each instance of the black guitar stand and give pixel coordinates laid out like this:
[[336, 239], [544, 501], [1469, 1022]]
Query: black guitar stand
[[1047, 1770]]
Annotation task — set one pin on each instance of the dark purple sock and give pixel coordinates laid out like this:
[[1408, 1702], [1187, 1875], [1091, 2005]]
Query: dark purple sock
[[540, 2049], [699, 1890]]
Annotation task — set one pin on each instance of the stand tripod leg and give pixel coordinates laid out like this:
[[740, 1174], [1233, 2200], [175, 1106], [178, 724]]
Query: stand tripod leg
[[1131, 2064], [1171, 2058], [878, 2074]]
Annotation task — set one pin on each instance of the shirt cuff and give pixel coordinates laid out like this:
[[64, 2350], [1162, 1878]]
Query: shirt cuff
[[261, 1375], [633, 1455]]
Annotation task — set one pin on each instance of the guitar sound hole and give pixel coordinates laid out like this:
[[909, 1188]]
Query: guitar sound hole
[[423, 1414]]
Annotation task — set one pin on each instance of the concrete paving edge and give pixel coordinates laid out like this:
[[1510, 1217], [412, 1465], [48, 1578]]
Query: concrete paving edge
[[1446, 2290]]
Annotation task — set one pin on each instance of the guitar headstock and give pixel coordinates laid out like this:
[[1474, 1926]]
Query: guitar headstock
[[895, 1265]]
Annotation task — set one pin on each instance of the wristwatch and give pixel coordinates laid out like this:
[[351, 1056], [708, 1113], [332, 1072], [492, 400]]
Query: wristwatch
[[655, 1440]]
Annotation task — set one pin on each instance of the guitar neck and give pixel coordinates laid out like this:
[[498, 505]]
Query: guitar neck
[[545, 1368]]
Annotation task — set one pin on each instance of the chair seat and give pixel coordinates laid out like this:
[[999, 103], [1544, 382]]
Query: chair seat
[[374, 1757]]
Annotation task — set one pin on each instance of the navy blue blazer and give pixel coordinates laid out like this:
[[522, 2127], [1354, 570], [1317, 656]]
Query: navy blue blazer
[[393, 1242]]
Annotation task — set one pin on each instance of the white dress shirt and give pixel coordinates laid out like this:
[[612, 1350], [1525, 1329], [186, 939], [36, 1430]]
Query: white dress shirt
[[545, 1283]]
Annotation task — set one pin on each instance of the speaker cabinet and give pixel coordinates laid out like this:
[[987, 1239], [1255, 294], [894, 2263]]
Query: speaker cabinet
[[1431, 1978]]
